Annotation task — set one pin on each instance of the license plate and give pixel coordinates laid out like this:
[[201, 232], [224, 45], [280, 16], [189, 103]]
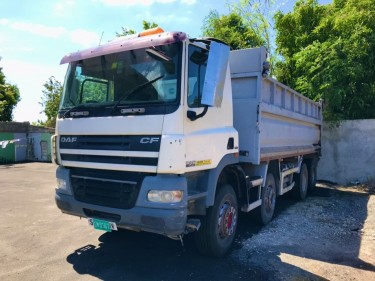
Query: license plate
[[102, 225]]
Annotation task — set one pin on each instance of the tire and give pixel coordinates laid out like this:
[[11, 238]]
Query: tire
[[218, 228], [301, 183], [312, 169], [268, 196]]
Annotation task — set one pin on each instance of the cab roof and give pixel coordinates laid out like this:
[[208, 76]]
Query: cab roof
[[126, 43]]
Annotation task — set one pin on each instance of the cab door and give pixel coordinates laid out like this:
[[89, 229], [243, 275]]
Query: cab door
[[207, 130]]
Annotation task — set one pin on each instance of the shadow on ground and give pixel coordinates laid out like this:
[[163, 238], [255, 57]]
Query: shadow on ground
[[126, 255]]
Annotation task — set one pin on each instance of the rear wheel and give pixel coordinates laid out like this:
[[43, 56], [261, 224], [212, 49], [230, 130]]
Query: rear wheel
[[312, 170], [267, 209], [218, 228], [301, 183]]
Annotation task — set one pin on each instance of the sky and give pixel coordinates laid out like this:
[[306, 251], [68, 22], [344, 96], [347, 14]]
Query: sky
[[35, 35]]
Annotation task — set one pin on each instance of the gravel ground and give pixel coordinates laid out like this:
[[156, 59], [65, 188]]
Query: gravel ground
[[329, 236]]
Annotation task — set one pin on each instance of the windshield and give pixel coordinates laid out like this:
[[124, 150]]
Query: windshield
[[105, 85]]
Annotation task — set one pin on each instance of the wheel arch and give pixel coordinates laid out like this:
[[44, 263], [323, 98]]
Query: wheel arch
[[235, 177], [225, 170]]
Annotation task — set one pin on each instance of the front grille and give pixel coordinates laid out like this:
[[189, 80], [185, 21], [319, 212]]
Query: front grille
[[112, 189], [109, 142], [139, 151]]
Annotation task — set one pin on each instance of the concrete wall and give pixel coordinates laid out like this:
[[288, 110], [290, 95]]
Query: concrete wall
[[25, 142], [348, 152], [21, 146], [41, 146]]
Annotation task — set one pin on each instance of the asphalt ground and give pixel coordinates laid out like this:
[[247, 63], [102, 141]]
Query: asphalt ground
[[330, 236]]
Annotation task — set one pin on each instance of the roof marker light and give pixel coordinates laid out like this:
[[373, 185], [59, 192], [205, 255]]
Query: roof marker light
[[151, 31]]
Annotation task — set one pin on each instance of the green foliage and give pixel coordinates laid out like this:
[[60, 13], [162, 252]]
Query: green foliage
[[94, 90], [249, 24], [50, 101], [148, 25], [329, 53], [127, 31], [257, 15], [295, 32], [9, 97], [231, 29]]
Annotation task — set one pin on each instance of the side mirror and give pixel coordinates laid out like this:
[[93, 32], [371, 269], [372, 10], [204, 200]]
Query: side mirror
[[216, 71]]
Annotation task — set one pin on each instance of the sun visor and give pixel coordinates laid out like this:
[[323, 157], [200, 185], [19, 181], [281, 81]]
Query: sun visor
[[126, 44]]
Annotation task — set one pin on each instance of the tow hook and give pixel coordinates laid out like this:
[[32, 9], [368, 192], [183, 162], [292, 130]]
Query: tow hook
[[192, 225]]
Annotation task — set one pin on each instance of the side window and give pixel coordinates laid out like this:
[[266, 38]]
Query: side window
[[94, 91], [196, 74], [87, 89]]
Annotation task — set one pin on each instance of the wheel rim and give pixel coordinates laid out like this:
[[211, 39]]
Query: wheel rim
[[227, 220], [269, 199]]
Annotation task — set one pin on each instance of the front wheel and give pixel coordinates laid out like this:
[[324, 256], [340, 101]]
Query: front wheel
[[216, 234]]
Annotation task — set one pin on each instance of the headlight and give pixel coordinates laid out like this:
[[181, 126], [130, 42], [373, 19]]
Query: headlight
[[63, 187], [165, 196]]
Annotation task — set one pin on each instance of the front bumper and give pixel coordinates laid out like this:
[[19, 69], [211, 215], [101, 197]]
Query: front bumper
[[162, 218], [162, 221]]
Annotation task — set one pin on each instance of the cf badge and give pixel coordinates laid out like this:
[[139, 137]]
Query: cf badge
[[149, 140]]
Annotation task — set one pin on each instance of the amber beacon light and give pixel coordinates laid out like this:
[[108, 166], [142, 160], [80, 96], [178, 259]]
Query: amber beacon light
[[151, 31]]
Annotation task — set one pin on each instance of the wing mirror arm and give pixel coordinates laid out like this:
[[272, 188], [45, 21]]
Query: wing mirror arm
[[192, 115]]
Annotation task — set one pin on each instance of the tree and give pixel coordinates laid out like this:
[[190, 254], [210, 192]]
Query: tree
[[51, 100], [249, 24], [329, 53], [127, 31], [257, 15], [295, 31], [9, 97], [148, 25], [230, 29]]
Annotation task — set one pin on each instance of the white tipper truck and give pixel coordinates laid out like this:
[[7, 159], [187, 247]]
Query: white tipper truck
[[162, 133]]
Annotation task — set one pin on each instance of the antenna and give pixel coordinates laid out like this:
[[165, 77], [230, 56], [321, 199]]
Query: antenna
[[101, 38]]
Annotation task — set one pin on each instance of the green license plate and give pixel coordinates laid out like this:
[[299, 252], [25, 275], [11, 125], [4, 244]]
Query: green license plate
[[102, 225]]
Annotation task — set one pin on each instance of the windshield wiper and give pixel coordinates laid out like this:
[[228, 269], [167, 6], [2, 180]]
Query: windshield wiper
[[136, 88]]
